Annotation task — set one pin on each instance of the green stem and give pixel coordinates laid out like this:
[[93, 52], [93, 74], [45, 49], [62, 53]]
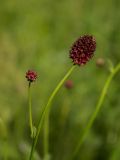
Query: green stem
[[46, 134], [98, 107], [30, 109], [46, 108]]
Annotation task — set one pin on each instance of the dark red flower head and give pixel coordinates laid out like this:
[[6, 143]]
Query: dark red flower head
[[69, 84], [31, 75], [83, 50]]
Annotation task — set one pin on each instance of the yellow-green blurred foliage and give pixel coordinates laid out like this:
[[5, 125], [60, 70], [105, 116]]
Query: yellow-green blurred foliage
[[37, 34]]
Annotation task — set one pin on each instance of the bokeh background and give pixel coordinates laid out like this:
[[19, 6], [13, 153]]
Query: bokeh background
[[37, 34]]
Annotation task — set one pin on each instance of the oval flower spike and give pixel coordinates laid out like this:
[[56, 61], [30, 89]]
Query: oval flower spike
[[83, 50]]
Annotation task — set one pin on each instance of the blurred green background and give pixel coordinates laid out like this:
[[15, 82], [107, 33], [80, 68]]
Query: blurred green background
[[37, 34]]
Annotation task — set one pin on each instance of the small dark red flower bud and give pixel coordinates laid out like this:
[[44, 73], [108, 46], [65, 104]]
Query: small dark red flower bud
[[83, 50], [69, 84], [31, 75]]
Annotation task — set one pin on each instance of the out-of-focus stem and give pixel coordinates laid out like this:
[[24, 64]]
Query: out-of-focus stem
[[30, 109], [47, 107], [97, 109]]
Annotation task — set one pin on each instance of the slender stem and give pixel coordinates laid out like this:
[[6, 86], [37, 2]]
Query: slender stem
[[97, 109], [45, 109], [46, 133], [30, 109]]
